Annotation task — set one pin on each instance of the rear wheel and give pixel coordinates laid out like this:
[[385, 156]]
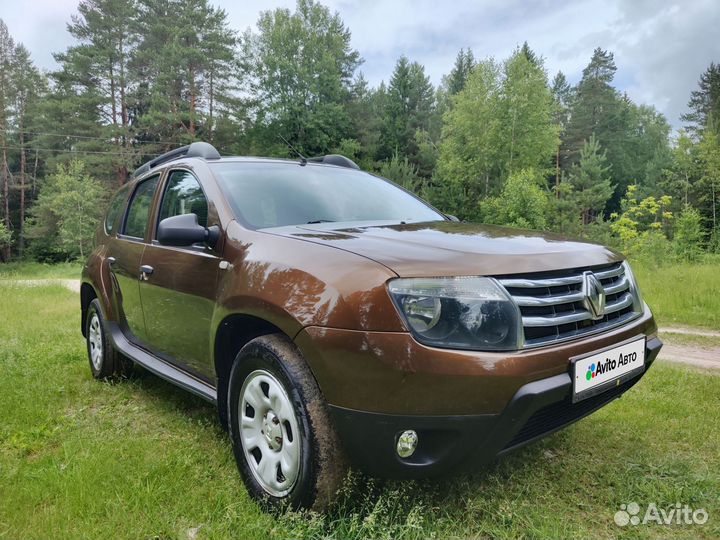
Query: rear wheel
[[285, 446], [105, 361]]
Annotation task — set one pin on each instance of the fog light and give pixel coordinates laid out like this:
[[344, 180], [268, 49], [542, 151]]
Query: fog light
[[406, 444]]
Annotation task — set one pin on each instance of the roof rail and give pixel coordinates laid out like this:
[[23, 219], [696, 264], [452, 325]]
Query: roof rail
[[335, 159], [197, 149]]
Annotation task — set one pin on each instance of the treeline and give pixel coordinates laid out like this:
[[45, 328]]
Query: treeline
[[496, 141]]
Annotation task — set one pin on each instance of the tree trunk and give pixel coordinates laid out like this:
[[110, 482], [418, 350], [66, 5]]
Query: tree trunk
[[712, 187], [193, 99], [557, 173], [113, 101], [6, 202], [123, 172], [34, 176], [21, 227], [210, 110]]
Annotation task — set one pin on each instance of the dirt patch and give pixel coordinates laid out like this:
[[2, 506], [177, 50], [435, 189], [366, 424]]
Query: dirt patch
[[686, 330], [705, 357]]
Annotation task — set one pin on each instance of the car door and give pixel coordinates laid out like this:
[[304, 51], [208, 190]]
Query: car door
[[127, 249], [178, 297]]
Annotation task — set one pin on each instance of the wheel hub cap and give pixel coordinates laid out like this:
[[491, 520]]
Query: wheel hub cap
[[95, 342], [272, 431], [269, 433]]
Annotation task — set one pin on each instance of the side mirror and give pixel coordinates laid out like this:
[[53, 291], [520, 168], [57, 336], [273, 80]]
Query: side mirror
[[184, 230], [451, 217]]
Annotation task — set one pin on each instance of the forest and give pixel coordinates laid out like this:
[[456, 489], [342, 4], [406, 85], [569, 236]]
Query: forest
[[498, 141]]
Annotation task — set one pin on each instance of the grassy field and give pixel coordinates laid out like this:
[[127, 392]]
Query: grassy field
[[35, 270], [682, 293], [141, 459]]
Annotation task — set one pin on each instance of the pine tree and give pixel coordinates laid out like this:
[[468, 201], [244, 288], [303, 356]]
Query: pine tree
[[408, 108], [7, 91], [186, 70], [563, 95], [704, 103], [590, 181], [596, 107], [96, 71], [457, 78], [30, 87], [365, 109]]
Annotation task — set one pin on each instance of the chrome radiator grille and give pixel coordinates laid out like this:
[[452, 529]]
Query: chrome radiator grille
[[554, 305]]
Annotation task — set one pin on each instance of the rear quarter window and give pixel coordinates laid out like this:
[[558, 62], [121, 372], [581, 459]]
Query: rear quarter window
[[136, 220], [117, 205]]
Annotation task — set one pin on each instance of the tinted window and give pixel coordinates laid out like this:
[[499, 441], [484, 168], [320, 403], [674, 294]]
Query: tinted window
[[279, 194], [116, 207], [139, 211], [184, 195]]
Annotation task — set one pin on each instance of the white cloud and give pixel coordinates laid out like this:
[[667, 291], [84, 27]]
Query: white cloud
[[661, 46]]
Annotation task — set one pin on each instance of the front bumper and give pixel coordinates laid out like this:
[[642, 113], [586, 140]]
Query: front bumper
[[537, 409]]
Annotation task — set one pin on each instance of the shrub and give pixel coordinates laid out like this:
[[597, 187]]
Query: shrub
[[523, 203], [5, 236], [402, 172], [688, 235]]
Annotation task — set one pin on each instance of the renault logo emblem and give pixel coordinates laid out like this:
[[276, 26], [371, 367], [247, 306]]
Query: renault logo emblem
[[594, 294]]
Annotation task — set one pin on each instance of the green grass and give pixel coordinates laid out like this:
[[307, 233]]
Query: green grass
[[703, 342], [36, 270], [682, 293], [142, 459]]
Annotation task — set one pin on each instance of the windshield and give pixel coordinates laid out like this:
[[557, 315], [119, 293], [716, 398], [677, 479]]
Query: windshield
[[278, 194]]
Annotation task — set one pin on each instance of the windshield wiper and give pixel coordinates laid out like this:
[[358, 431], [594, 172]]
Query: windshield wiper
[[320, 221]]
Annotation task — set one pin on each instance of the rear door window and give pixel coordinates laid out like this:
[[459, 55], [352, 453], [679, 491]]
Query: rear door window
[[138, 214]]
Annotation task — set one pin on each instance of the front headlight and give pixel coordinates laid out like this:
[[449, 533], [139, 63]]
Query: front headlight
[[459, 312], [634, 289]]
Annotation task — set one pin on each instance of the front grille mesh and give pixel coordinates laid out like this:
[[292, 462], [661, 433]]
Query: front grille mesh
[[552, 303], [561, 413]]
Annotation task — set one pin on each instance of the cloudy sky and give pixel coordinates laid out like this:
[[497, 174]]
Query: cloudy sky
[[661, 46]]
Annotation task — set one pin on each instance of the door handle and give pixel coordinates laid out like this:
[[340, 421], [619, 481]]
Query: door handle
[[145, 271]]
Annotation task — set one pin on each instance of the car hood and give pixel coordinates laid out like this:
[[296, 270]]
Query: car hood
[[445, 248]]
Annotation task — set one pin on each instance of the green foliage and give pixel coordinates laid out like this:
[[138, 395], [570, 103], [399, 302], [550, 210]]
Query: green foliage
[[303, 64], [688, 235], [522, 203], [68, 211], [143, 76], [468, 149], [590, 181], [455, 81], [5, 237], [402, 172], [500, 123], [642, 224], [708, 185], [408, 108], [527, 132], [704, 103]]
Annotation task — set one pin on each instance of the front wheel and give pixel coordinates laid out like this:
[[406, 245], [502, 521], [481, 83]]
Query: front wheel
[[105, 361], [285, 446]]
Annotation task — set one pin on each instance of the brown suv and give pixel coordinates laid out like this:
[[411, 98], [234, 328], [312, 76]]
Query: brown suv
[[330, 314]]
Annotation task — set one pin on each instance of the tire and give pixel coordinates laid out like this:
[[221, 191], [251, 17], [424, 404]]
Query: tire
[[285, 446], [105, 361]]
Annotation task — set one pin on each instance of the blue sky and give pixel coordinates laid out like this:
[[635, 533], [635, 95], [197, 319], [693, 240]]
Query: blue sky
[[661, 47]]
